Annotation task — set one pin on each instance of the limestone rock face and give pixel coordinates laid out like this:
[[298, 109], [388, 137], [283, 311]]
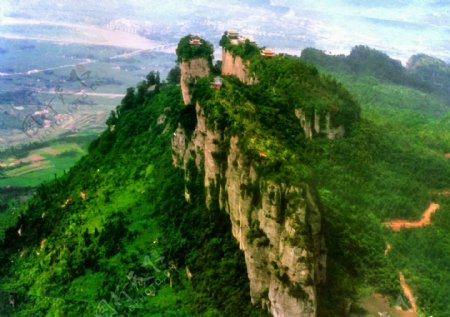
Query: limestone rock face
[[234, 65], [277, 225], [318, 124], [190, 70]]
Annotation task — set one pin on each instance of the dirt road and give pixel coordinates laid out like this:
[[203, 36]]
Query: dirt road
[[396, 225], [408, 292]]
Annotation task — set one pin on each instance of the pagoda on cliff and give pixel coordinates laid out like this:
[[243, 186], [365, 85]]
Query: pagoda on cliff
[[217, 83], [267, 53], [195, 40]]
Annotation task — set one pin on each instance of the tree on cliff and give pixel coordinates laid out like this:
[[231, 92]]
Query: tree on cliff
[[244, 49], [186, 51], [174, 75]]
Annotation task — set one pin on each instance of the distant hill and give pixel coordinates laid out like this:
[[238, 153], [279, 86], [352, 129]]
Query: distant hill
[[424, 77], [433, 71]]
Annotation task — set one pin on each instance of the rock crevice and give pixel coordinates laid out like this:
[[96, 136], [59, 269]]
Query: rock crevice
[[317, 124], [277, 225], [190, 71], [236, 66]]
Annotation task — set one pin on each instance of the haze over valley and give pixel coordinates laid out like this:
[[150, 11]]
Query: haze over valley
[[118, 43]]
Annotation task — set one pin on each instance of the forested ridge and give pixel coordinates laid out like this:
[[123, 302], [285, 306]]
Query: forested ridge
[[115, 235], [395, 166]]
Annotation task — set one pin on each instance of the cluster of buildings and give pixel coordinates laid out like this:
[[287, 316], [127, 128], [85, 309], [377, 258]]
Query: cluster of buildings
[[235, 39], [196, 40]]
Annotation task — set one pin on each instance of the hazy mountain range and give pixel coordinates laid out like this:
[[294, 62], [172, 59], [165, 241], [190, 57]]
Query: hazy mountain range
[[400, 28]]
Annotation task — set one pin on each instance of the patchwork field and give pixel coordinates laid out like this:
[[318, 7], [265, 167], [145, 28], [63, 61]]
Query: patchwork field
[[65, 87], [23, 168], [39, 165]]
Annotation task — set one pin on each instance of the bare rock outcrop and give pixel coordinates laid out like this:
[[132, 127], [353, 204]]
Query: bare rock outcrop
[[277, 225], [190, 71], [236, 66], [319, 124]]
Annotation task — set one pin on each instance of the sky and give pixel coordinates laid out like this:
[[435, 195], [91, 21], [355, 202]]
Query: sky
[[400, 28]]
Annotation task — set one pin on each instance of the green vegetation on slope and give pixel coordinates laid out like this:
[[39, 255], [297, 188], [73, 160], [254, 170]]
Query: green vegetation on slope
[[115, 232], [27, 166], [365, 61], [374, 78], [101, 236], [391, 167], [263, 114], [245, 49], [186, 51], [433, 71]]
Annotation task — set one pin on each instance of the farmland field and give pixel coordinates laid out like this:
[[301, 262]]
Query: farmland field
[[24, 168], [65, 88]]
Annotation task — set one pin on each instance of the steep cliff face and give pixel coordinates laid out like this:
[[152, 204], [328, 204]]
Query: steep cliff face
[[277, 225], [318, 124], [190, 70], [234, 65]]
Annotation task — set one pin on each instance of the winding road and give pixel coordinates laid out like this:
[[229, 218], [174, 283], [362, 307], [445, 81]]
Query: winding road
[[396, 225], [408, 292]]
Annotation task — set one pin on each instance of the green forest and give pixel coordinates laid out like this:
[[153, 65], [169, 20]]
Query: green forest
[[390, 168], [115, 236]]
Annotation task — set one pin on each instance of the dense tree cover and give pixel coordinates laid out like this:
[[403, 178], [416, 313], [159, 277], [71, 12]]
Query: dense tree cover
[[374, 78], [261, 124], [263, 114], [115, 232], [293, 83], [364, 60], [185, 51], [391, 167], [373, 176]]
